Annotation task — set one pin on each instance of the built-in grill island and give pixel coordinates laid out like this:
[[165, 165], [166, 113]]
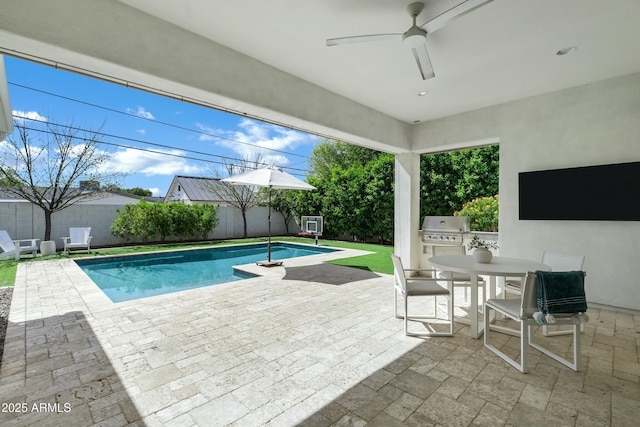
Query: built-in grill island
[[442, 235]]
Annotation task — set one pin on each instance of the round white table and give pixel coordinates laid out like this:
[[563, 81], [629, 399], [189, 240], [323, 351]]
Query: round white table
[[499, 266]]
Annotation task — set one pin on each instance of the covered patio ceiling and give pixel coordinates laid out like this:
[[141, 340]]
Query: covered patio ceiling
[[270, 59]]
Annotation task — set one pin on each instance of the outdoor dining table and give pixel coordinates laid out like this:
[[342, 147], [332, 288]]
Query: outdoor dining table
[[498, 267]]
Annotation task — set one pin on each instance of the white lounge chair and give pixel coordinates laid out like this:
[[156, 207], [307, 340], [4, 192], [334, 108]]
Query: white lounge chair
[[79, 238], [16, 247]]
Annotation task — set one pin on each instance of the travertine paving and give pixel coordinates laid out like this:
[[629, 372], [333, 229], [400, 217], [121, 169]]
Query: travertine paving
[[304, 344]]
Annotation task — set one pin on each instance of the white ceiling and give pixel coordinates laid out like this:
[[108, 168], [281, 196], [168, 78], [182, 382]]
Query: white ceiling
[[503, 51]]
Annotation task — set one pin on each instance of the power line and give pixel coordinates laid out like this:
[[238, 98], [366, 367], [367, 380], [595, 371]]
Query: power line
[[163, 153], [153, 120], [146, 143]]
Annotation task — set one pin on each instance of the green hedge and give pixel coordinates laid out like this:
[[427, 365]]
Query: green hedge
[[146, 221]]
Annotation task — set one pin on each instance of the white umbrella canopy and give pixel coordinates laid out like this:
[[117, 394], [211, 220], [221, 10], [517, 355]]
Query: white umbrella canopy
[[270, 177]]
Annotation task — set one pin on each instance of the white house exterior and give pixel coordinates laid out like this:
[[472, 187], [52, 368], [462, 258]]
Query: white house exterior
[[193, 189]]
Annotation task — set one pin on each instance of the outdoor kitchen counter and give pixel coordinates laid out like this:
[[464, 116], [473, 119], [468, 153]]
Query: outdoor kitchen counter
[[499, 266]]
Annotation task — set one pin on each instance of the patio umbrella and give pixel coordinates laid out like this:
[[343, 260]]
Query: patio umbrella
[[270, 177]]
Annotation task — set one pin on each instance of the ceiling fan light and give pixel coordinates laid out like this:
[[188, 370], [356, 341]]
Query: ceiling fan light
[[414, 37]]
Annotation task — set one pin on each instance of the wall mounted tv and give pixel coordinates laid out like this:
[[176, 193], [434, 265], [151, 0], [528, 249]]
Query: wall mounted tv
[[591, 193]]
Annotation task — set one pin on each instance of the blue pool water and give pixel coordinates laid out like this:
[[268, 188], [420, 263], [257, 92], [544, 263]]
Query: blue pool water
[[131, 277]]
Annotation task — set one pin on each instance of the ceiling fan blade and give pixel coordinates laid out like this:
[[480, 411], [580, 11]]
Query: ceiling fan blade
[[361, 39], [453, 14], [424, 63]]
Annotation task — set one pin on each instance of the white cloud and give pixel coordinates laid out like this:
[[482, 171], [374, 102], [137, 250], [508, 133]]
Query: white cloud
[[155, 191], [22, 116], [257, 138], [150, 163], [141, 131], [208, 132], [141, 112]]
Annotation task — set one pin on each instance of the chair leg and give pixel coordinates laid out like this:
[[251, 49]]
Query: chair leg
[[406, 315], [547, 333], [451, 314], [524, 333], [395, 303], [418, 318], [577, 359]]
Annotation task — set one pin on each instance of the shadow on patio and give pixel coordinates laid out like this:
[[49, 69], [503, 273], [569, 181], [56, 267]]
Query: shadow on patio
[[66, 379], [328, 274]]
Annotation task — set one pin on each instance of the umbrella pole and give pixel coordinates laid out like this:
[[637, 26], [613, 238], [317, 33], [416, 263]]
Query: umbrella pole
[[269, 241]]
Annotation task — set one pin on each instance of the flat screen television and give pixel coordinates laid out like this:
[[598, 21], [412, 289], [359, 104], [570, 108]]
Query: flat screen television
[[590, 193]]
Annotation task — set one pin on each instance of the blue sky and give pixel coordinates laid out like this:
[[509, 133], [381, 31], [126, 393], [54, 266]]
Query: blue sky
[[153, 119]]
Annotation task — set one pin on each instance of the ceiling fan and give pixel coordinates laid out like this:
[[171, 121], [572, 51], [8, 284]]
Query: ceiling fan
[[415, 37]]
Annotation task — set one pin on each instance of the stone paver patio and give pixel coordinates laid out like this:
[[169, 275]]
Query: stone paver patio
[[304, 344]]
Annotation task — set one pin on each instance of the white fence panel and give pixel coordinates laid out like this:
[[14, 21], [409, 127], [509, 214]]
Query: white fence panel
[[24, 220]]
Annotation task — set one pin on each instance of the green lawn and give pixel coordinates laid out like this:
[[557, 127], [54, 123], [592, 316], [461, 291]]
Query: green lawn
[[379, 261]]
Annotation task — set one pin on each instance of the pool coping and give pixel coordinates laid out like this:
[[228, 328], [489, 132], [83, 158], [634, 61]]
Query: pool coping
[[97, 301]]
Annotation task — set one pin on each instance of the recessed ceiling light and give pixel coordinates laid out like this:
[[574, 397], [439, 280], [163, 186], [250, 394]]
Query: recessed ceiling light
[[423, 93], [566, 50]]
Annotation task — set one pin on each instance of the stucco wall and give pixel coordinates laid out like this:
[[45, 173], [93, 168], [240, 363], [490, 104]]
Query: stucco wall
[[586, 125]]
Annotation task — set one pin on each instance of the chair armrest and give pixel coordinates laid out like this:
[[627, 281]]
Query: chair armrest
[[420, 269], [65, 239], [431, 273], [19, 242]]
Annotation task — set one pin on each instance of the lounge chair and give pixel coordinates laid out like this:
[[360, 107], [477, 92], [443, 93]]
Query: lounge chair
[[79, 238], [16, 247]]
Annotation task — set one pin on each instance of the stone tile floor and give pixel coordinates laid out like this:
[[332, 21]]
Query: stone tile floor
[[304, 344]]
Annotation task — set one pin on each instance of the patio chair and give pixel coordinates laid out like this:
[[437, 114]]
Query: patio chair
[[423, 285], [16, 247], [79, 238], [526, 311], [557, 262]]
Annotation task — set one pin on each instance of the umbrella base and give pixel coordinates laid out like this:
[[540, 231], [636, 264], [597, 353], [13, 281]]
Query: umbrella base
[[269, 263]]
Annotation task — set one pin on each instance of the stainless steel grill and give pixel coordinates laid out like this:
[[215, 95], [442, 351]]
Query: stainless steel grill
[[444, 230]]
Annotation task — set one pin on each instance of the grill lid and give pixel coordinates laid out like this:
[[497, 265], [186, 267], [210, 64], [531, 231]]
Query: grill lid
[[451, 224]]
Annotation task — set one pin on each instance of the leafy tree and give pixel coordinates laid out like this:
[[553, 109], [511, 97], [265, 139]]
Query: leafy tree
[[281, 203], [329, 154], [449, 180], [355, 192], [379, 197], [44, 163], [136, 191]]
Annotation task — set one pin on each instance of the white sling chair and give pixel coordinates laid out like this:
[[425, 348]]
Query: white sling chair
[[79, 238], [522, 310], [16, 247], [557, 262], [415, 286]]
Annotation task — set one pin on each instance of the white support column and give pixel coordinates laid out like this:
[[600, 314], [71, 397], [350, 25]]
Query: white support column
[[407, 209]]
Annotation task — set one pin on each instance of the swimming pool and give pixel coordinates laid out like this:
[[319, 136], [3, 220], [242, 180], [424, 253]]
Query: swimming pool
[[130, 277]]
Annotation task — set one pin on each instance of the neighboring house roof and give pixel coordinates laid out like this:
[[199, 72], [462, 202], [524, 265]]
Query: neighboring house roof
[[195, 189], [97, 197]]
